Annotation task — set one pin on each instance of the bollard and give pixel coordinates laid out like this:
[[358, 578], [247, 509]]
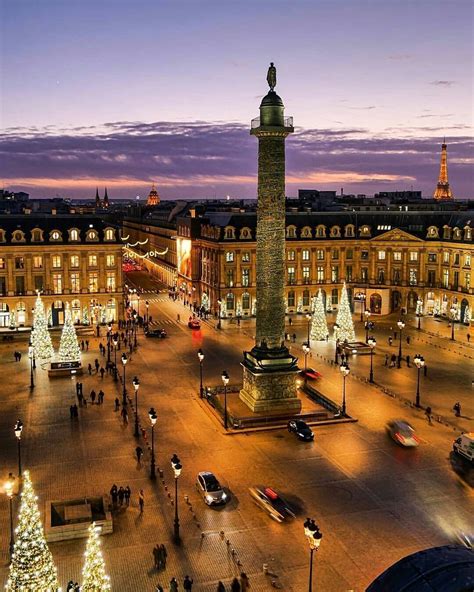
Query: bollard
[[265, 568], [227, 542], [203, 535], [221, 533]]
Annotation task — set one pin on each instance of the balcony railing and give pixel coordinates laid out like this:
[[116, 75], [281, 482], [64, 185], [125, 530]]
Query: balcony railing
[[287, 122]]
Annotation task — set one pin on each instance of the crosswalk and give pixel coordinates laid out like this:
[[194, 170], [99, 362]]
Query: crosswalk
[[161, 322]]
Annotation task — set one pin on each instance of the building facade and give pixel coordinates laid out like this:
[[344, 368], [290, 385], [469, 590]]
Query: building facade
[[75, 260]]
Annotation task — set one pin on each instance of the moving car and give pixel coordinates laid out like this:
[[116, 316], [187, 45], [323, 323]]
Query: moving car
[[194, 323], [464, 446], [270, 501], [156, 333], [210, 489], [310, 373], [402, 432], [301, 429]]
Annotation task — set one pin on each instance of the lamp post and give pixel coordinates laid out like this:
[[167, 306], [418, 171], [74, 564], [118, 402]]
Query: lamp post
[[138, 303], [219, 324], [314, 537], [308, 318], [147, 306], [109, 338], [336, 354], [124, 391], [136, 386], [306, 350], [367, 317], [419, 304], [344, 368], [419, 363], [115, 342], [225, 380], [401, 326], [371, 343], [9, 484], [153, 417], [18, 430], [177, 468], [31, 355], [201, 359], [135, 330], [452, 310]]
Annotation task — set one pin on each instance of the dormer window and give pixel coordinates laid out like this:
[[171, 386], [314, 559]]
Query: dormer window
[[36, 235], [229, 232], [18, 236], [291, 231], [446, 232], [467, 233], [321, 231], [365, 230], [457, 233], [2, 235], [306, 232], [245, 233], [335, 231], [349, 230], [109, 234], [74, 235], [92, 235], [432, 232], [55, 236]]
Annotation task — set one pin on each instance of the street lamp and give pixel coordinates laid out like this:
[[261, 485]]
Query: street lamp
[[136, 386], [177, 468], [109, 337], [201, 359], [138, 304], [124, 391], [306, 350], [419, 363], [371, 343], [8, 486], [308, 318], [153, 417], [31, 355], [452, 310], [147, 305], [367, 317], [419, 304], [135, 328], [219, 325], [336, 330], [401, 326], [314, 537], [115, 342], [360, 296], [344, 368], [18, 429], [225, 380]]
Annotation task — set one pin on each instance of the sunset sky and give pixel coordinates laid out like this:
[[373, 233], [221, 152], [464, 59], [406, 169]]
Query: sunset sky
[[124, 93]]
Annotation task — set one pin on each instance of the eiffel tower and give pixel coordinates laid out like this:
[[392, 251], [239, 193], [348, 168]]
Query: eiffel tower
[[443, 191]]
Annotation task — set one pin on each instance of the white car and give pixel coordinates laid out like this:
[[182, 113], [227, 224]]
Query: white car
[[210, 489], [402, 432]]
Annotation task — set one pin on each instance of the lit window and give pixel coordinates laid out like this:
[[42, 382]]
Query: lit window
[[291, 275], [229, 256], [74, 261], [305, 254], [93, 282], [245, 277], [246, 257], [381, 255], [2, 262], [38, 262], [56, 261], [291, 255], [110, 260], [57, 283], [413, 255], [110, 278], [74, 235], [320, 275], [109, 234], [320, 254], [413, 277], [397, 255], [75, 282], [334, 274], [467, 260], [92, 260], [55, 235]]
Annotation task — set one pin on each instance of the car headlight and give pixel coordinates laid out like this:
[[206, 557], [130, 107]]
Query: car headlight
[[209, 499], [224, 496]]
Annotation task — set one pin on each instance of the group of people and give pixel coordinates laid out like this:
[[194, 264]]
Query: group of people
[[174, 587], [241, 584], [17, 356], [159, 556], [93, 395], [120, 495]]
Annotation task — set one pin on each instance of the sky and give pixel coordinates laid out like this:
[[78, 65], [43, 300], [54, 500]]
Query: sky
[[123, 93]]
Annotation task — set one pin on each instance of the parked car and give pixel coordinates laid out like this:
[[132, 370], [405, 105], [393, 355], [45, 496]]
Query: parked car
[[194, 323], [210, 489], [301, 429], [156, 333], [270, 501], [310, 373], [402, 432], [464, 446]]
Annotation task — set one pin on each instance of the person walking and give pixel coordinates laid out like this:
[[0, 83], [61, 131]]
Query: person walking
[[178, 318], [393, 359], [428, 414], [408, 361], [244, 582], [390, 341], [164, 555], [117, 404], [294, 337], [408, 340], [187, 583], [220, 587], [82, 345], [102, 372], [89, 368], [139, 453], [141, 500], [386, 359], [173, 585], [71, 412], [92, 396], [156, 556], [468, 337], [114, 495], [97, 365], [127, 494], [124, 414], [235, 585], [121, 495], [87, 345], [78, 390], [425, 370], [100, 397], [457, 409]]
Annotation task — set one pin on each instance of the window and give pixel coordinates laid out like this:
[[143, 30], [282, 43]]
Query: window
[[229, 256], [109, 234], [349, 231], [467, 280], [349, 254], [55, 235], [384, 227], [75, 282], [92, 235], [92, 260], [291, 275], [467, 233], [229, 301], [39, 283], [110, 260], [305, 297], [20, 284], [335, 254], [431, 277], [305, 255], [56, 261], [74, 235], [291, 255], [2, 262], [2, 236], [321, 231], [93, 282], [335, 231], [245, 233], [245, 277], [245, 300], [381, 255], [36, 235], [445, 278], [334, 296], [364, 255], [432, 232], [291, 299], [37, 262], [57, 283], [229, 232], [365, 230], [320, 254], [110, 279], [364, 274], [456, 258], [432, 257], [467, 260], [246, 257], [413, 277], [334, 274], [306, 232], [306, 275], [396, 277], [291, 232], [74, 261], [229, 278], [19, 263], [455, 280], [320, 275], [445, 256], [397, 255], [381, 276], [413, 255], [348, 273], [446, 232], [18, 237]]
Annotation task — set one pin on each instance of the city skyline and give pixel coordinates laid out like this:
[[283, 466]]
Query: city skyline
[[182, 117]]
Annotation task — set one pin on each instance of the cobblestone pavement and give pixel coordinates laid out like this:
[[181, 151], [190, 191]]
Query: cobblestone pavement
[[374, 502]]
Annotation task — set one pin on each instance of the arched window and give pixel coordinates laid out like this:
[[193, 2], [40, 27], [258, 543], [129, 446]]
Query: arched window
[[375, 303], [349, 230], [109, 234], [92, 235], [306, 232], [229, 232], [446, 232], [230, 301], [18, 236], [291, 299], [335, 231], [2, 235], [246, 301], [457, 233], [321, 231], [36, 235], [365, 230], [245, 233], [74, 235], [291, 231], [55, 236], [467, 233], [305, 297], [229, 256], [432, 232]]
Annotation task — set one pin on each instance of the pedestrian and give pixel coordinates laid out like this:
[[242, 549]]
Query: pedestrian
[[113, 494], [92, 396], [15, 355], [121, 495], [76, 411], [124, 414], [235, 585], [102, 372], [386, 359], [156, 556], [117, 404], [457, 409], [141, 500], [97, 365], [82, 345], [79, 387], [70, 586], [220, 587], [244, 582], [100, 397], [187, 583], [173, 585], [128, 493], [139, 453], [178, 318], [78, 390], [19, 356], [89, 368], [390, 341], [408, 361], [71, 412], [164, 555], [290, 321], [395, 333], [468, 337], [408, 339], [393, 359], [428, 413], [294, 337], [87, 345]]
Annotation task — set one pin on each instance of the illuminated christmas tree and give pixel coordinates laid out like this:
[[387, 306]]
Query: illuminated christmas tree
[[69, 350], [467, 315], [436, 308], [40, 338], [328, 304], [32, 568], [345, 331], [94, 577], [419, 308], [319, 326]]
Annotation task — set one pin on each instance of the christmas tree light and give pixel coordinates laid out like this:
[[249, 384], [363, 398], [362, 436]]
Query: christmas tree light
[[328, 304], [94, 577], [419, 307], [344, 321], [32, 568], [467, 315], [69, 350], [40, 338], [319, 326]]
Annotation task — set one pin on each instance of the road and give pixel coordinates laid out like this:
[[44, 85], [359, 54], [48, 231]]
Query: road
[[373, 501]]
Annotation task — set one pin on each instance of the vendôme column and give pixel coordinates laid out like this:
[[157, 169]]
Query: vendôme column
[[269, 369]]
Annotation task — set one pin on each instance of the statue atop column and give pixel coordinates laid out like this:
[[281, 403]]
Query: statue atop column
[[272, 76]]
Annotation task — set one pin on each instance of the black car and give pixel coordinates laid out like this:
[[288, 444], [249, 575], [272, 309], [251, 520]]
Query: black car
[[156, 333], [301, 429]]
